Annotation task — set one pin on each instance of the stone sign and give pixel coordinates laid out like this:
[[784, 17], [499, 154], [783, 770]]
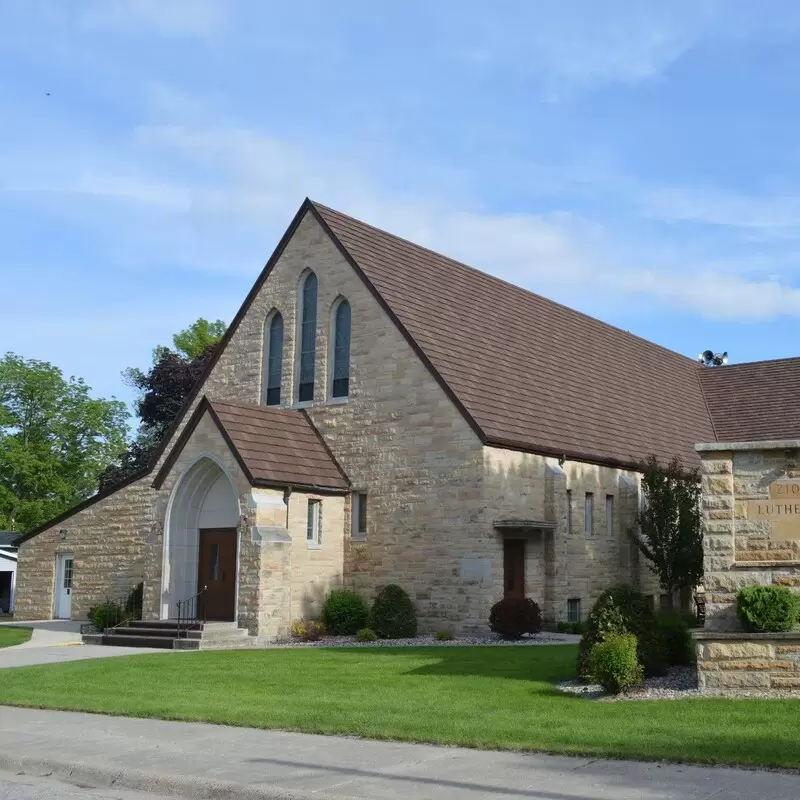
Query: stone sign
[[782, 508]]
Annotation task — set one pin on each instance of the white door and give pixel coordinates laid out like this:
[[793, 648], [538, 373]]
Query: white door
[[64, 565]]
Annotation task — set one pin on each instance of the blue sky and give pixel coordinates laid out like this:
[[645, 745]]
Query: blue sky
[[638, 161]]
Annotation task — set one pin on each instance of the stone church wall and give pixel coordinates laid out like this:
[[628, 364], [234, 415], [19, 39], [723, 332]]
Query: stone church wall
[[751, 537], [433, 490], [568, 563], [111, 541]]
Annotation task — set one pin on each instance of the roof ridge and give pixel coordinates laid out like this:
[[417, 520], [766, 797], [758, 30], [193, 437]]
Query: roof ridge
[[502, 281], [729, 367]]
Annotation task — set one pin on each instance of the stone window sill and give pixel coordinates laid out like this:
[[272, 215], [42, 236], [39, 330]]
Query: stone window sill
[[359, 537], [313, 545]]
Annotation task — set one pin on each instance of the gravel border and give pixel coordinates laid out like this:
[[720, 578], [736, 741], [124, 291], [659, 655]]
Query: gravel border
[[680, 683], [430, 641]]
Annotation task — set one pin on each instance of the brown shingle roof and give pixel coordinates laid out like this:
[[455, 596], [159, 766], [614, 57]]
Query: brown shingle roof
[[754, 402], [275, 447], [530, 373]]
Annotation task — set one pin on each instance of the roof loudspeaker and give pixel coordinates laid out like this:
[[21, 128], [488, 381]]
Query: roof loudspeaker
[[711, 359]]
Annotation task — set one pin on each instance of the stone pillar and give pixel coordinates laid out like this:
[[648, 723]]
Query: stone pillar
[[719, 536], [751, 537], [264, 562], [556, 557]]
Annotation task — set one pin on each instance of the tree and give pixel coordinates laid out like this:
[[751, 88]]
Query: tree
[[55, 441], [162, 390], [195, 340], [669, 532]]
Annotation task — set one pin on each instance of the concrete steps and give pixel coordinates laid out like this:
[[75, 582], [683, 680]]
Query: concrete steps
[[167, 636]]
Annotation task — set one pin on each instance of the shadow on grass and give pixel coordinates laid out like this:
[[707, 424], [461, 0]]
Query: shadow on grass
[[547, 664]]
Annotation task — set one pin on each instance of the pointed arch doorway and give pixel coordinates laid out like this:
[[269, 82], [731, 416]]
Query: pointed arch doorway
[[201, 547]]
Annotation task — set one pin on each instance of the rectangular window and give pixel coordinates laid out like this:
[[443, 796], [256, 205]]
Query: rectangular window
[[213, 567], [588, 513], [574, 609], [68, 562], [665, 602], [610, 514], [313, 525], [569, 512], [359, 516]]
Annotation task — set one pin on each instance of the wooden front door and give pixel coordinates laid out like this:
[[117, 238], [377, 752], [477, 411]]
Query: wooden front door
[[216, 570], [514, 567]]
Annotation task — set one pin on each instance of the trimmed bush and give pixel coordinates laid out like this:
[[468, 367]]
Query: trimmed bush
[[392, 615], [444, 636], [614, 663], [513, 617], [307, 630], [344, 612], [366, 635], [570, 627], [106, 615], [767, 609], [677, 639], [133, 605], [618, 610]]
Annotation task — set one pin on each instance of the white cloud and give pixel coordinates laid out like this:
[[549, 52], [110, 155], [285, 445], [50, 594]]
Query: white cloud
[[725, 209], [591, 43], [215, 197], [196, 18]]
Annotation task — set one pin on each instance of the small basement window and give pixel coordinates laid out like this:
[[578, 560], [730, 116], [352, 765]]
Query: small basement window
[[574, 609]]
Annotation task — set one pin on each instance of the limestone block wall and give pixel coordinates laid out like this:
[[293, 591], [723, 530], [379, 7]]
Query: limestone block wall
[[314, 571], [111, 540], [397, 436], [569, 563], [748, 661], [751, 529]]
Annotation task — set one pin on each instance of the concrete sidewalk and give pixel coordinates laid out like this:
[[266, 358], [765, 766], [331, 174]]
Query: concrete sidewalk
[[57, 640], [210, 761]]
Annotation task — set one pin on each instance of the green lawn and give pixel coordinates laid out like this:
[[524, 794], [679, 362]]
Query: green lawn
[[10, 636], [489, 697]]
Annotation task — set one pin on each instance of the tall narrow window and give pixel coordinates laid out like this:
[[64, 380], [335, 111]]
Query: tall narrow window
[[341, 350], [574, 609], [313, 537], [588, 513], [610, 514], [308, 338], [569, 512], [358, 527], [273, 360]]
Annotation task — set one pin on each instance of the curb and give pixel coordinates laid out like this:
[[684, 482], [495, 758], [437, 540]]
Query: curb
[[156, 783]]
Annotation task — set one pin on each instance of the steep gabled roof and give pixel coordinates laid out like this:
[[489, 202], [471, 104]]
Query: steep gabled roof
[[530, 373], [274, 447], [756, 401]]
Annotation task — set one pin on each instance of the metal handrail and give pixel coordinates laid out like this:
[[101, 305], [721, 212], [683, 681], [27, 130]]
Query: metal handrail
[[192, 611]]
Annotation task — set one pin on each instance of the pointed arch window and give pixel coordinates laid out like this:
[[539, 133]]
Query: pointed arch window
[[308, 338], [340, 386], [273, 360]]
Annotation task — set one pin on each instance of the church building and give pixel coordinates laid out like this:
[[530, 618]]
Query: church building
[[379, 413]]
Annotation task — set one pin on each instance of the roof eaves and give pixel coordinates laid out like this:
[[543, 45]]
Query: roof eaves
[[568, 455]]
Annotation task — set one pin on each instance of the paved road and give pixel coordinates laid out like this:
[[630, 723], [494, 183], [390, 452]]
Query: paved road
[[57, 640], [204, 761], [29, 787]]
